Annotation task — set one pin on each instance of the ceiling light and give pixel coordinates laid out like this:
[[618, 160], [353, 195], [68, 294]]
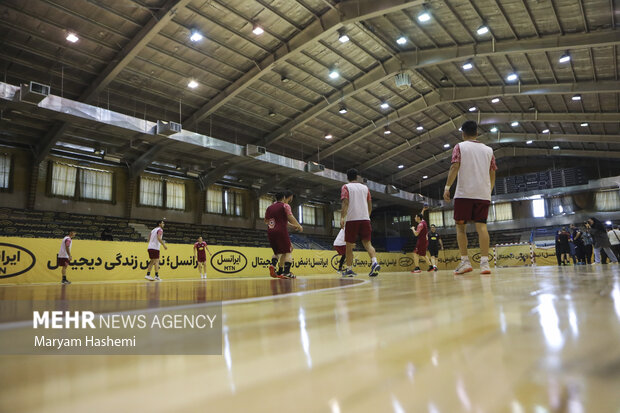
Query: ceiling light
[[342, 37], [514, 124], [401, 166], [446, 145], [444, 79], [512, 77], [385, 105], [342, 110], [284, 79], [564, 58], [192, 84], [257, 30], [467, 65], [72, 37], [494, 129], [196, 36], [484, 29], [420, 127], [333, 74], [387, 130], [473, 109], [424, 16], [545, 131], [556, 147], [272, 113], [576, 98], [529, 142], [401, 40], [425, 176], [495, 100], [328, 136], [584, 124]]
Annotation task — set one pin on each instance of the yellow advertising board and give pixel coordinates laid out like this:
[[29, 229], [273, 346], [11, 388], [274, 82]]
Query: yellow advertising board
[[545, 256]]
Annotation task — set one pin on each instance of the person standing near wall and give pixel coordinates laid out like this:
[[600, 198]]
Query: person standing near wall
[[587, 245], [420, 231], [601, 240], [64, 256], [578, 243], [434, 243], [155, 240], [200, 254], [614, 240]]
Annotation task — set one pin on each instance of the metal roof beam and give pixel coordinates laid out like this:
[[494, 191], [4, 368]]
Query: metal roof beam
[[489, 118]]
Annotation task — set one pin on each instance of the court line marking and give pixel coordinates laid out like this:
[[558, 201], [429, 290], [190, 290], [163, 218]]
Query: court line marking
[[25, 323]]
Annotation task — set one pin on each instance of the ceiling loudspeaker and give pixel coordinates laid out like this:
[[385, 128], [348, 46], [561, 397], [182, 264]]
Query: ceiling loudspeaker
[[314, 167], [254, 150], [33, 92], [391, 189], [403, 81], [167, 128]]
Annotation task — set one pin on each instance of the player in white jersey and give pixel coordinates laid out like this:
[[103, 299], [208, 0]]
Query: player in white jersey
[[64, 256], [155, 240]]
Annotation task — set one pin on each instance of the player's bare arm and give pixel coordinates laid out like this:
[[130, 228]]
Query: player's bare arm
[[452, 174], [292, 221], [161, 241], [343, 213]]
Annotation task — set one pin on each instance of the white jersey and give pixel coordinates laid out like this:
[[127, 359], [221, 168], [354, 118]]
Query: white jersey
[[153, 241], [477, 159], [339, 241], [358, 196], [65, 248]]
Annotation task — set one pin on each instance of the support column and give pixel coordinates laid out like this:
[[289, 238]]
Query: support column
[[253, 208], [34, 182], [129, 195], [201, 205]]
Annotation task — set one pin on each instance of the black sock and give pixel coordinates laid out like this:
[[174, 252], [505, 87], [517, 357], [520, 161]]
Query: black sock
[[342, 259], [64, 278], [148, 273], [287, 267], [156, 274], [274, 261], [280, 270]]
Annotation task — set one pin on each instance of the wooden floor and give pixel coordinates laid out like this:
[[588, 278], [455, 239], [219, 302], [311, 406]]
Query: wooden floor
[[541, 339]]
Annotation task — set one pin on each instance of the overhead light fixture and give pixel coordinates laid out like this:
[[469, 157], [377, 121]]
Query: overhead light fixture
[[72, 37], [342, 36], [529, 142], [514, 124], [196, 36], [584, 124], [494, 129], [401, 166], [420, 127], [328, 136], [424, 16], [446, 145], [425, 177], [607, 222], [545, 131], [565, 58], [284, 79], [482, 30], [556, 147], [333, 74], [401, 40], [444, 79], [473, 109], [576, 98], [342, 110], [385, 105], [387, 130], [495, 100], [512, 77], [272, 113], [468, 65], [257, 30], [192, 84]]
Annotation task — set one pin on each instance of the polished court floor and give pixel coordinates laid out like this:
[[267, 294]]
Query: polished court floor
[[543, 339]]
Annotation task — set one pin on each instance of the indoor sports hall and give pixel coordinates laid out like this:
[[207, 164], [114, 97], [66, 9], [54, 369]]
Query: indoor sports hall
[[310, 206]]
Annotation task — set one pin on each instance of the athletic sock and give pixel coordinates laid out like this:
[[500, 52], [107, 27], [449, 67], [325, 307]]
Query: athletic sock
[[156, 274], [374, 260], [280, 271], [464, 258], [287, 267], [349, 267], [64, 278], [484, 260], [274, 261], [148, 273], [342, 259]]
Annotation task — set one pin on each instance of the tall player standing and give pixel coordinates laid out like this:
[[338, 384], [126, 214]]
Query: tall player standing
[[278, 217], [201, 256], [474, 164], [155, 240], [64, 256]]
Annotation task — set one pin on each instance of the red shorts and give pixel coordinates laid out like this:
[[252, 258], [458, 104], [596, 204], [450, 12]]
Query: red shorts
[[153, 254], [420, 248], [62, 262], [341, 249], [466, 209], [202, 260], [280, 242], [355, 229]]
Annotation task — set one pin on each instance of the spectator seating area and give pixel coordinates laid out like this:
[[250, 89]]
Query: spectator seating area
[[449, 240]]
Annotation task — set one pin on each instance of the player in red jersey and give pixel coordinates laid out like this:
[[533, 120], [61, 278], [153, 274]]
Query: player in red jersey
[[420, 247], [201, 256], [278, 217], [64, 256]]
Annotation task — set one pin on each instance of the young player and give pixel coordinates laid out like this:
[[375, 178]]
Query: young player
[[155, 240], [474, 164], [420, 247], [64, 256], [355, 219], [341, 248], [434, 242], [278, 217], [201, 256]]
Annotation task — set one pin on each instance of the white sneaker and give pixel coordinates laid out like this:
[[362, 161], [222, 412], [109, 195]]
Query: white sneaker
[[485, 268], [148, 277], [157, 278], [463, 267]]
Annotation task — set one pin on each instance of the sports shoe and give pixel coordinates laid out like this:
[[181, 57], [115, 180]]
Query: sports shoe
[[272, 271], [157, 278], [485, 268], [348, 273], [463, 267], [374, 269], [148, 277], [435, 268], [431, 268], [65, 282], [289, 275], [416, 270]]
